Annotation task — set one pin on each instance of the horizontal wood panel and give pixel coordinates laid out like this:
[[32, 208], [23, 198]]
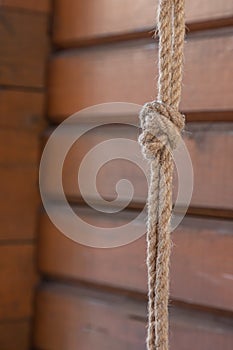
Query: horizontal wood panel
[[18, 202], [24, 48], [201, 268], [69, 318], [127, 73], [33, 5], [111, 18], [210, 147], [21, 110], [18, 280], [14, 335]]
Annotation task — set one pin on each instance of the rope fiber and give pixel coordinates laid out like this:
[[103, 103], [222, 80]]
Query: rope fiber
[[162, 125]]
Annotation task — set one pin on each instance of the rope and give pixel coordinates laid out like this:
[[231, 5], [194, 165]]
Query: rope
[[161, 125]]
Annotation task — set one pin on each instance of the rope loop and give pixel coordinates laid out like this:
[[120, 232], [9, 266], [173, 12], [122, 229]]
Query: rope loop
[[161, 128]]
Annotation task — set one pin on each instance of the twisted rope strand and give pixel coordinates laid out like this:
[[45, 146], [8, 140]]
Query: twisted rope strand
[[163, 253], [161, 125], [151, 251], [165, 53], [177, 56]]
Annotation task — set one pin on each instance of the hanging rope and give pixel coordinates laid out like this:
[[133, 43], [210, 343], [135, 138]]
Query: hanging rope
[[161, 125]]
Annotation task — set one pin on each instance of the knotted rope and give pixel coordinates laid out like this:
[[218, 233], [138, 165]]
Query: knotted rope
[[161, 125]]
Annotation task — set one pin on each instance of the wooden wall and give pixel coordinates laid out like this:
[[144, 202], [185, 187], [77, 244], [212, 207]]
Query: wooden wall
[[23, 55], [103, 52]]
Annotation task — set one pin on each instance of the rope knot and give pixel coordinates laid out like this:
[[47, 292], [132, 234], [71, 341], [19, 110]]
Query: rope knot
[[161, 127]]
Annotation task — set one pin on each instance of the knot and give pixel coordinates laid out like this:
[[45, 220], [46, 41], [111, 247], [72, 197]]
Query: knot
[[161, 128]]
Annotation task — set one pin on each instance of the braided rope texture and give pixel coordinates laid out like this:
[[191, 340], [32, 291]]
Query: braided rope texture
[[162, 125]]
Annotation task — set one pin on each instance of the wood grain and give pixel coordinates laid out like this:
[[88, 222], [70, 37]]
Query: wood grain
[[69, 318], [15, 335], [18, 280], [24, 48], [207, 143], [127, 73], [110, 19], [18, 202], [201, 267], [21, 109]]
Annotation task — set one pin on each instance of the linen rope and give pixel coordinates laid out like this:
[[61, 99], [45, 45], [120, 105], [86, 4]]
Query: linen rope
[[162, 125]]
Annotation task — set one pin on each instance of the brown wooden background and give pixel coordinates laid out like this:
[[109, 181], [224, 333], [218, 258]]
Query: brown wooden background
[[102, 51], [23, 54]]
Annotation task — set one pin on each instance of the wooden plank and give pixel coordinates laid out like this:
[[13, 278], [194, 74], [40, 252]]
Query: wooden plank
[[197, 277], [18, 280], [18, 147], [15, 335], [19, 153], [204, 141], [86, 77], [21, 109], [109, 18], [207, 143], [198, 331], [69, 318], [19, 201], [204, 11], [24, 48], [32, 5]]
